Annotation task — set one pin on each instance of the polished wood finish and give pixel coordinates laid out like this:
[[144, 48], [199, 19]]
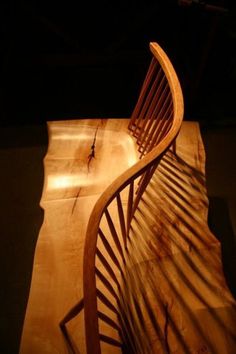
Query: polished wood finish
[[125, 242], [69, 195], [159, 135]]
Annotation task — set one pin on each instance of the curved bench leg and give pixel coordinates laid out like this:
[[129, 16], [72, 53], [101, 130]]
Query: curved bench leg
[[73, 312]]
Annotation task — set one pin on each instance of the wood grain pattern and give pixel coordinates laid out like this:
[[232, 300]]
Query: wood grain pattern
[[185, 260], [125, 242], [184, 306], [133, 176], [68, 197], [86, 153]]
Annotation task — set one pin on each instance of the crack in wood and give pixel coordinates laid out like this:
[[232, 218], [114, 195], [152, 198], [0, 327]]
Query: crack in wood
[[76, 199], [90, 157], [93, 146]]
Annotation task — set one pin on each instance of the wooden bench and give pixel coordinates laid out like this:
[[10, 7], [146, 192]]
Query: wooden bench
[[125, 243]]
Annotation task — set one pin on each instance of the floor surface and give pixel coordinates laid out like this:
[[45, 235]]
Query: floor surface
[[22, 149]]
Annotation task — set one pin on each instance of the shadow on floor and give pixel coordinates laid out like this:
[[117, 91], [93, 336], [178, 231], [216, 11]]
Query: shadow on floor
[[220, 224], [220, 144], [22, 149]]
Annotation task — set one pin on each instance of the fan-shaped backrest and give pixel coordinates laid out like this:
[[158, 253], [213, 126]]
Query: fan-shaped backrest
[[155, 123]]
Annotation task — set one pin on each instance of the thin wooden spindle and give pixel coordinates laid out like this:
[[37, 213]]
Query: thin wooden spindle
[[160, 109], [141, 97], [74, 311], [107, 266], [106, 302], [156, 118], [161, 126], [141, 180], [127, 330], [163, 91], [167, 125], [110, 288], [109, 340], [130, 205], [173, 146], [129, 326], [140, 326], [121, 219], [147, 103], [150, 114], [106, 282], [114, 234], [143, 186], [156, 125], [145, 177], [109, 249], [152, 66], [108, 320]]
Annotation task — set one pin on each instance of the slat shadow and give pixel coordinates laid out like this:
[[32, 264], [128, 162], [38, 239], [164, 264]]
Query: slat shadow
[[161, 285], [174, 265]]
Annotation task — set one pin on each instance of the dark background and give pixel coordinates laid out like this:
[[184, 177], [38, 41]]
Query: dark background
[[72, 59]]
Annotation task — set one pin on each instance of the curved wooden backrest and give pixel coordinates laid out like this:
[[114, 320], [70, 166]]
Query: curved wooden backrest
[[155, 123]]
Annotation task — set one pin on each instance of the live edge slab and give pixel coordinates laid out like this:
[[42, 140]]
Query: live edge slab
[[85, 156]]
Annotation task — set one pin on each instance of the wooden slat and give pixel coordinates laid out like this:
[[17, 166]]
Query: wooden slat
[[74, 311], [106, 282], [130, 205], [151, 69], [147, 103], [114, 234], [143, 185], [157, 125], [121, 219], [163, 126], [127, 326], [106, 302], [102, 316], [166, 127], [109, 340], [152, 111], [107, 267], [109, 250], [135, 114], [153, 123]]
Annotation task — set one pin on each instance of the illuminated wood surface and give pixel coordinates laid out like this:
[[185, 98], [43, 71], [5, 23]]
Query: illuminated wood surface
[[155, 123], [175, 271], [72, 185], [175, 278], [125, 242]]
